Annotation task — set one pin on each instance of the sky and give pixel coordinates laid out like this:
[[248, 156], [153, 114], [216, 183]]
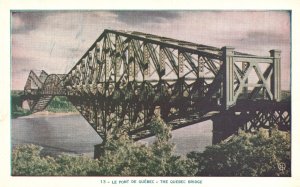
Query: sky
[[55, 40]]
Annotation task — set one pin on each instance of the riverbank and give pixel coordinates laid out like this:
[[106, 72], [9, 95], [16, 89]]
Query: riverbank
[[71, 133], [49, 114], [57, 133]]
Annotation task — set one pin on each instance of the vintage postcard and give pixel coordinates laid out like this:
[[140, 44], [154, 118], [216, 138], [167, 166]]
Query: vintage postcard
[[134, 97]]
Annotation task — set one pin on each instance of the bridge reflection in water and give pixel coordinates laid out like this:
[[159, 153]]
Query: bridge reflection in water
[[126, 78]]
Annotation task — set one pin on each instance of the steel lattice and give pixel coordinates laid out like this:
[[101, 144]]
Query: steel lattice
[[126, 78]]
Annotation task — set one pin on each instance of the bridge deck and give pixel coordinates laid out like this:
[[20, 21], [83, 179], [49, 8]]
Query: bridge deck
[[122, 79]]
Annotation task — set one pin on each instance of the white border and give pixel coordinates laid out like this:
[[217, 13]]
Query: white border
[[6, 6]]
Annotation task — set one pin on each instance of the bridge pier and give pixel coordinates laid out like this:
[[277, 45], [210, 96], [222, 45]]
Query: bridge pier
[[250, 118], [224, 125], [99, 150], [126, 78]]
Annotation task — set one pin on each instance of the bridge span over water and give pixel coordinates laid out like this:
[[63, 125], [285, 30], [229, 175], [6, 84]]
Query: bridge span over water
[[126, 78]]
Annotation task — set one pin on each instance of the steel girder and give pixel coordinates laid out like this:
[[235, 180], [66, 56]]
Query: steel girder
[[126, 78], [264, 115], [250, 77], [40, 90], [251, 116]]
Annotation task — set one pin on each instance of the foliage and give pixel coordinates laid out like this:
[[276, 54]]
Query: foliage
[[286, 95], [75, 165], [26, 160], [16, 105], [60, 104], [19, 111], [243, 155], [122, 157], [16, 98], [246, 155]]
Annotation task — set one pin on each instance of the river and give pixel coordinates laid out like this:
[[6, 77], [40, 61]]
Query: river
[[71, 133]]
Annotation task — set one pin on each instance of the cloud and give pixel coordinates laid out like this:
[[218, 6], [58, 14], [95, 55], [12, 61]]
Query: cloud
[[55, 40], [24, 22], [266, 37], [145, 17]]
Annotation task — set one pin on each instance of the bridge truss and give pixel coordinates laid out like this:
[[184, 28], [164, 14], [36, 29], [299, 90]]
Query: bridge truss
[[126, 78]]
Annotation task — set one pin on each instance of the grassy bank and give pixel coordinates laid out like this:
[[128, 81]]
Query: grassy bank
[[16, 104], [58, 104]]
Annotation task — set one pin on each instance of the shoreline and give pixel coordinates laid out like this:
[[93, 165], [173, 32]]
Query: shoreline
[[47, 113]]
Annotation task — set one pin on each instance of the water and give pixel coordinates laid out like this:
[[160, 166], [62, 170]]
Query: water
[[72, 134], [191, 138]]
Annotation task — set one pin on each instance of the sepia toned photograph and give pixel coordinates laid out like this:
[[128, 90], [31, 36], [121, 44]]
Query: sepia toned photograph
[[151, 93]]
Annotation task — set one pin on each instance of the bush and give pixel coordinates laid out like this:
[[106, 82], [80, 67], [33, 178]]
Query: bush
[[243, 155], [75, 165], [122, 157], [126, 158], [19, 111], [246, 155], [16, 105], [60, 104], [26, 160]]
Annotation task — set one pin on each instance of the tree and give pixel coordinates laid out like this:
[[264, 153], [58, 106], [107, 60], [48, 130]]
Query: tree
[[122, 157], [125, 157], [26, 161], [74, 165], [16, 105], [247, 155]]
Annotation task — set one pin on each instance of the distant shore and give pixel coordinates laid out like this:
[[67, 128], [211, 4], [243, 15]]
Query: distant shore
[[47, 113]]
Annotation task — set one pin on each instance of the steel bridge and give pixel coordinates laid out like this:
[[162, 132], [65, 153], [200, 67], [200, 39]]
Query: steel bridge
[[126, 78]]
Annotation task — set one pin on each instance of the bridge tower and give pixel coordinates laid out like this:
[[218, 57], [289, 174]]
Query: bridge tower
[[125, 77], [252, 114]]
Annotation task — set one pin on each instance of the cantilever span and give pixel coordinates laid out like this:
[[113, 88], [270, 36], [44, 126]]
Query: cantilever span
[[126, 78]]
